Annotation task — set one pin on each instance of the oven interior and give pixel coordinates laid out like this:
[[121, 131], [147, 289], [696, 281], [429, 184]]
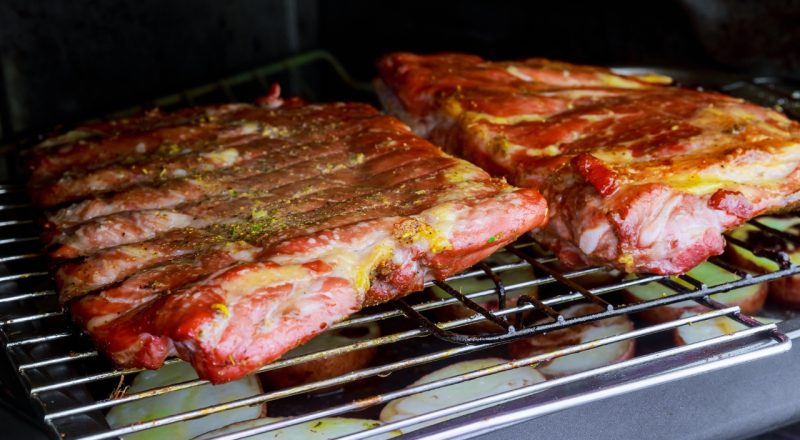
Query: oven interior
[[56, 377]]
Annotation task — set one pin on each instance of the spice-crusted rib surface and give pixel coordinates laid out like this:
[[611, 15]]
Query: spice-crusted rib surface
[[637, 174], [228, 235]]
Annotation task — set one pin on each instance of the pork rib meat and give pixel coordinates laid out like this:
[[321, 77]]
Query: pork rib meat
[[638, 174], [228, 235]]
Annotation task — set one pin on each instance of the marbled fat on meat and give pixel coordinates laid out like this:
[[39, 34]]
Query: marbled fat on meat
[[228, 235], [638, 174]]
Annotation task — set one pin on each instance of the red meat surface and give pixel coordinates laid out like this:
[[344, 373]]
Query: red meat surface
[[637, 174], [229, 235]]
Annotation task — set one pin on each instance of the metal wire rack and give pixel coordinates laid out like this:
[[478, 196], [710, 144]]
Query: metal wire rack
[[71, 385]]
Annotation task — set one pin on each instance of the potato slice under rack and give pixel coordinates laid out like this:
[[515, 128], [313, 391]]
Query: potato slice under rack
[[321, 429], [450, 395], [184, 400]]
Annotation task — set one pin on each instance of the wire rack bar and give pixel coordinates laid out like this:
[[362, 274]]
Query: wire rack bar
[[9, 258], [420, 332], [365, 403], [39, 339], [632, 308], [498, 282], [29, 295], [15, 222], [397, 337], [8, 207], [112, 374], [23, 276], [18, 240], [729, 267], [28, 318], [58, 360], [781, 258], [562, 279], [383, 398], [571, 401], [372, 318]]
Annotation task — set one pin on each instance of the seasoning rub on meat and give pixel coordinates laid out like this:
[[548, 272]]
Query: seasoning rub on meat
[[638, 174], [228, 235]]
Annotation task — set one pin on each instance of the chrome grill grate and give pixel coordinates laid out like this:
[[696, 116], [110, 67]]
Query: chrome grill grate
[[71, 385]]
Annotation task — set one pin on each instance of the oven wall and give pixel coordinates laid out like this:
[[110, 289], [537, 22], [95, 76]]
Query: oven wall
[[729, 35], [598, 32], [63, 61]]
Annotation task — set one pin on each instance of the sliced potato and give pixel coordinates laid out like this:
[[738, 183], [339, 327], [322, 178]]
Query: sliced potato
[[751, 233], [450, 395], [750, 299], [326, 368], [184, 400], [583, 361], [786, 290], [710, 328], [321, 429]]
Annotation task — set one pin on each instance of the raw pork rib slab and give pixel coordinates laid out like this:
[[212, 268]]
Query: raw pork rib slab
[[637, 174], [228, 235]]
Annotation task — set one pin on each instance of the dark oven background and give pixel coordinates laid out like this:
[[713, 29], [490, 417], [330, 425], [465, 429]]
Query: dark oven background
[[64, 61]]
